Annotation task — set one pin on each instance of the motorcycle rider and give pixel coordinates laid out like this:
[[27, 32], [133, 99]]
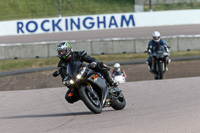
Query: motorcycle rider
[[117, 69], [66, 54], [156, 40]]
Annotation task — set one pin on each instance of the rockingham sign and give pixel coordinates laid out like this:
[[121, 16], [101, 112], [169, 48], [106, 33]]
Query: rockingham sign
[[99, 22], [65, 24]]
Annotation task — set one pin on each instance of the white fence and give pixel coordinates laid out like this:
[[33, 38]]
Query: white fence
[[112, 46]]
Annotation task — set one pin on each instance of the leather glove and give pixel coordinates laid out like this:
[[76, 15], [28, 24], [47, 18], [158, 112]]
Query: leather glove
[[55, 74], [149, 51], [93, 65]]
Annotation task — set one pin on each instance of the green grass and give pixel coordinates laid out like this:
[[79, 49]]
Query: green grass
[[178, 6], [26, 63], [6, 65], [24, 9]]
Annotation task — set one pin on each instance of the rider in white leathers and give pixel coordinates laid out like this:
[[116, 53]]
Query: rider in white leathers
[[118, 72]]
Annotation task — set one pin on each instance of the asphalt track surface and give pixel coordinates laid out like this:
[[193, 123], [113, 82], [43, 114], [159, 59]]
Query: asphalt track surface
[[166, 106], [104, 34], [162, 106]]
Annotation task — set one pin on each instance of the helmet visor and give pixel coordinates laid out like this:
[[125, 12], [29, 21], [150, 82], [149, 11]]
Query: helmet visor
[[155, 38], [64, 53], [117, 68]]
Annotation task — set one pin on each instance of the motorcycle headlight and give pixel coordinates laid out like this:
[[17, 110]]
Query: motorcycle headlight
[[71, 81], [78, 76]]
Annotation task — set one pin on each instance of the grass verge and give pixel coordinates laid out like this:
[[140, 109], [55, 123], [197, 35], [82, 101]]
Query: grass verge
[[177, 6], [27, 9], [6, 65]]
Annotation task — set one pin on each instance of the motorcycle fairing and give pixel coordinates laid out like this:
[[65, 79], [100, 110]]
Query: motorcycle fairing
[[101, 84]]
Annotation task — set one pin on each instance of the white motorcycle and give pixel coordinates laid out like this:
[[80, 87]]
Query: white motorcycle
[[119, 77]]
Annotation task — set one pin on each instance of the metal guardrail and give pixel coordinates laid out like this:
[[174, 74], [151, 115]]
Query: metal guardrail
[[128, 62]]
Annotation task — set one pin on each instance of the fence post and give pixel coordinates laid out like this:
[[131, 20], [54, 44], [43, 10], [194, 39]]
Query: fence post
[[150, 6], [59, 3]]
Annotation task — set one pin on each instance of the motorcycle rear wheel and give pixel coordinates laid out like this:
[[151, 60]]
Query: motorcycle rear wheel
[[120, 102], [93, 104]]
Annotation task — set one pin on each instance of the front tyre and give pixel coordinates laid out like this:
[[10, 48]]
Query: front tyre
[[160, 70], [92, 102], [120, 102]]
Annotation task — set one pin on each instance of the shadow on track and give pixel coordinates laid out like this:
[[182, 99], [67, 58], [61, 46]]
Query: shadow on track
[[52, 115], [47, 115]]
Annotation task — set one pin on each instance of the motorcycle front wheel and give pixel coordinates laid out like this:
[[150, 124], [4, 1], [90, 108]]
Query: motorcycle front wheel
[[160, 70], [92, 102]]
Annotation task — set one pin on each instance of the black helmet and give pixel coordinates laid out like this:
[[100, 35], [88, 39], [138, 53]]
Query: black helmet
[[64, 50]]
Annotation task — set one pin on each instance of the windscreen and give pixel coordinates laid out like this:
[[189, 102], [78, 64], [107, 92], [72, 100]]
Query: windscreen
[[158, 47], [73, 68], [161, 48], [118, 73]]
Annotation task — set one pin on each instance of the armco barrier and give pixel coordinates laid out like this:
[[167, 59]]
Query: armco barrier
[[2, 53], [114, 46], [25, 51], [172, 42], [94, 47], [188, 43], [124, 46]]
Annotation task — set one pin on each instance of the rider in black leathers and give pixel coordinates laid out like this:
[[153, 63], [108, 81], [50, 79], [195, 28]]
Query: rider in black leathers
[[66, 54]]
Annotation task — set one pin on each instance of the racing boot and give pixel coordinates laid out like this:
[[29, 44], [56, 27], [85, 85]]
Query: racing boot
[[149, 66], [168, 60], [110, 81], [104, 71]]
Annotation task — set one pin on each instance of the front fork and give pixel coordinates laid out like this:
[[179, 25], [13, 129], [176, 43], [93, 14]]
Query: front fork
[[155, 68], [90, 89]]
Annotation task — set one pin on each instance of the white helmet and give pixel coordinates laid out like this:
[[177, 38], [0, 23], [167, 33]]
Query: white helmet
[[156, 36], [117, 66]]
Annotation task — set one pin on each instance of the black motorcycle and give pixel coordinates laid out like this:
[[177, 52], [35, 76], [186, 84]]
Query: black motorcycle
[[92, 88], [159, 60]]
